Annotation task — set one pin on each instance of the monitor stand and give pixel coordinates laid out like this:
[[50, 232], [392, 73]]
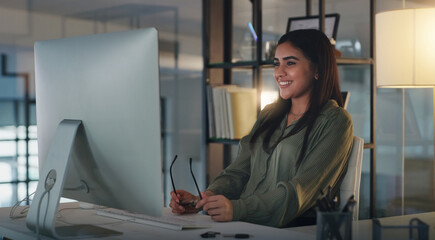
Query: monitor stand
[[41, 217]]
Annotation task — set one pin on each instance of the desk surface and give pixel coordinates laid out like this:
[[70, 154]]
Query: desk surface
[[70, 214]]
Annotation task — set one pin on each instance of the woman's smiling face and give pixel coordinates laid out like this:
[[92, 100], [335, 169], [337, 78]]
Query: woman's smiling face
[[293, 72]]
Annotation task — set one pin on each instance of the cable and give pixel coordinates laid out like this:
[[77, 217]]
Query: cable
[[50, 181], [37, 213], [23, 211], [59, 216]]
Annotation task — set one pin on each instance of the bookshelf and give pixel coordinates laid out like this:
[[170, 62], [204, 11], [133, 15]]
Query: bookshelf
[[220, 65]]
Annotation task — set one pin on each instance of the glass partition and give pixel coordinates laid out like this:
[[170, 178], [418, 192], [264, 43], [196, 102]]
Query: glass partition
[[405, 164], [355, 79], [244, 34], [179, 26]]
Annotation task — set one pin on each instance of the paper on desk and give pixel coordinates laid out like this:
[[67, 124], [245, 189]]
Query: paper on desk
[[198, 217]]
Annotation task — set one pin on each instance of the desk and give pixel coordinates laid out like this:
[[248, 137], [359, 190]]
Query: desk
[[71, 214]]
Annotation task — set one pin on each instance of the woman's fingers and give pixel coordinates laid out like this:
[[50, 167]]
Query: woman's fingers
[[176, 208], [215, 211], [219, 218], [203, 201], [211, 204], [175, 201], [219, 208], [183, 202], [175, 197], [220, 214]]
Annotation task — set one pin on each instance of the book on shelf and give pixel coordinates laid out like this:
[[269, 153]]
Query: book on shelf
[[243, 111], [220, 110], [232, 111], [210, 112]]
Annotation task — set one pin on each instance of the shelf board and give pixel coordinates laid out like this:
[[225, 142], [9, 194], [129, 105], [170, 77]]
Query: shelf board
[[340, 61], [243, 64], [240, 64], [16, 139], [369, 145], [351, 61], [224, 141], [18, 99], [269, 63]]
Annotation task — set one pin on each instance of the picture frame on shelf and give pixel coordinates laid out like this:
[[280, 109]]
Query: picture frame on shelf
[[312, 22]]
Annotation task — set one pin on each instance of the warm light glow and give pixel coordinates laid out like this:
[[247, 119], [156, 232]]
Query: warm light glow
[[268, 97], [405, 48]]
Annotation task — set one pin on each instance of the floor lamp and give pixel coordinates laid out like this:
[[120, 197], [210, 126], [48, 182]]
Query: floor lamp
[[405, 54]]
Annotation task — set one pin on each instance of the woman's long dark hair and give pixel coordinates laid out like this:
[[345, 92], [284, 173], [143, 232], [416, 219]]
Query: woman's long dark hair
[[317, 48]]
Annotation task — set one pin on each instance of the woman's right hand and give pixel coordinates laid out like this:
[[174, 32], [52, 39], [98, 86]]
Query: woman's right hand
[[183, 202]]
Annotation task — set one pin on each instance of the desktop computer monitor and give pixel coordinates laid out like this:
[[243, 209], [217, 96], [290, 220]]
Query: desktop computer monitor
[[98, 123]]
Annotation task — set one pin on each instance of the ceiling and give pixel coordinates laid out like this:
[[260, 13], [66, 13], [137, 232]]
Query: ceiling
[[188, 10], [185, 14], [182, 17], [72, 7]]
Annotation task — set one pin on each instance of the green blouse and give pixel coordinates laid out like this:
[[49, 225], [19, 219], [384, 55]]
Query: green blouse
[[266, 188]]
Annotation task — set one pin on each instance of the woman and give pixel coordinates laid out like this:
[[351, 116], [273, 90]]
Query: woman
[[298, 146]]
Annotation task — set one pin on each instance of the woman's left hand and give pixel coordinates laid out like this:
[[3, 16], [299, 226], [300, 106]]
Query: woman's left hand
[[218, 207]]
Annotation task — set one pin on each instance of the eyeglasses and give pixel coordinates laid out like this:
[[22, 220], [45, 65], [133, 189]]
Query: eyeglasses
[[193, 176]]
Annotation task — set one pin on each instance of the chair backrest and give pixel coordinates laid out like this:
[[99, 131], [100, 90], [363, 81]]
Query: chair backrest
[[352, 179]]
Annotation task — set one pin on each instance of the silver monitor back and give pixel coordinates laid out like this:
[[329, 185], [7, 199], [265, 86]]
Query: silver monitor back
[[111, 83]]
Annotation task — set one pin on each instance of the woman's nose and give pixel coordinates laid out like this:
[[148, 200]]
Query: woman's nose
[[279, 72]]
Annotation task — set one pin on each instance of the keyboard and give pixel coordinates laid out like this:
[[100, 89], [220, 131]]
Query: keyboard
[[167, 221]]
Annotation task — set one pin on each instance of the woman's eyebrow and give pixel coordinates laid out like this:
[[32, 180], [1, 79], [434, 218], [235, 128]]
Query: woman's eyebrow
[[290, 57], [287, 58]]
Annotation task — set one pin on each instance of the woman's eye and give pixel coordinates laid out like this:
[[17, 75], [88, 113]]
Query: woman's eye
[[276, 64], [290, 63]]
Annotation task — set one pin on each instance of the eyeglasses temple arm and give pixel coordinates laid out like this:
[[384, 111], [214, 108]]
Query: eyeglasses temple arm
[[193, 176], [170, 172]]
